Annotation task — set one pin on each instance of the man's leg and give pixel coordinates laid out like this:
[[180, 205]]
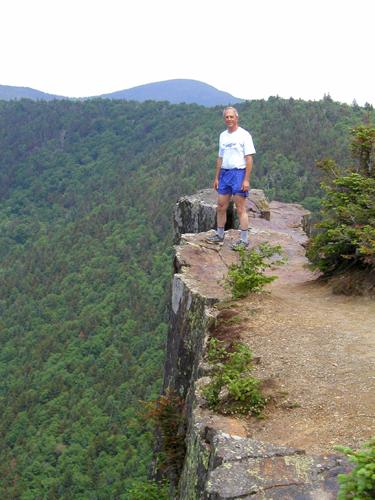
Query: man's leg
[[222, 206], [241, 207], [221, 216]]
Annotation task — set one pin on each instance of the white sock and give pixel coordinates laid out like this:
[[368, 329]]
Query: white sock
[[245, 235], [220, 232]]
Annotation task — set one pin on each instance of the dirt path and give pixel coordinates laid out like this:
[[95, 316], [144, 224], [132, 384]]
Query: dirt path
[[317, 361]]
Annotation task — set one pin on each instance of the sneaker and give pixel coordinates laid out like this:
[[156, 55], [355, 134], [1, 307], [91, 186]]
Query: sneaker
[[215, 239], [237, 245]]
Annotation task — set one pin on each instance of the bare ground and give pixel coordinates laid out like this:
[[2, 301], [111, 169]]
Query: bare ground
[[317, 365]]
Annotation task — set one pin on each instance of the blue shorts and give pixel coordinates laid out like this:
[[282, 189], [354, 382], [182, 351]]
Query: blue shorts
[[230, 181]]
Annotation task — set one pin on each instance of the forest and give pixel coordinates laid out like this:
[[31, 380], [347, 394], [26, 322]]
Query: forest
[[87, 190]]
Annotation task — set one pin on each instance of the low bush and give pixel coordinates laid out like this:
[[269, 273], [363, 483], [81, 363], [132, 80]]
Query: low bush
[[248, 275], [149, 490], [346, 236], [359, 484], [232, 372]]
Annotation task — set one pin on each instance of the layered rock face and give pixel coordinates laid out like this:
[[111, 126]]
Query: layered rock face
[[221, 462], [197, 213]]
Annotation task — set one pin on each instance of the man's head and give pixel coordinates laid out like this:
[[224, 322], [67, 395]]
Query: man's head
[[230, 115]]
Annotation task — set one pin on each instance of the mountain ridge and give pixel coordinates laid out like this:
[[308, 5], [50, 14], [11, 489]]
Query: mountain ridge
[[10, 92], [175, 91]]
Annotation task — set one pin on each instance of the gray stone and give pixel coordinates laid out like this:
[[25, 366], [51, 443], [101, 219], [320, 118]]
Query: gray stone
[[227, 448], [257, 204], [276, 477], [224, 395], [197, 213]]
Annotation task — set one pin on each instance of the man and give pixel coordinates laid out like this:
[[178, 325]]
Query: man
[[232, 177]]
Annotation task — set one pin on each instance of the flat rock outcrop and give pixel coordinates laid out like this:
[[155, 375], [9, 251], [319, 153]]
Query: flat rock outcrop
[[197, 213]]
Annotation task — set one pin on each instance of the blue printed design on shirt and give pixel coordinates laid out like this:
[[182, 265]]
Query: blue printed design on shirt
[[231, 145]]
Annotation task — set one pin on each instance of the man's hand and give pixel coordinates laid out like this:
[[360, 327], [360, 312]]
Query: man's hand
[[219, 162], [245, 185]]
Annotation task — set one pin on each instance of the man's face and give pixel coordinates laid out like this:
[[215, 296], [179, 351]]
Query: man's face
[[231, 120]]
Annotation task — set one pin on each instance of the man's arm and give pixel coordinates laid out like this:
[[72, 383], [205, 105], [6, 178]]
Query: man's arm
[[249, 166], [219, 162]]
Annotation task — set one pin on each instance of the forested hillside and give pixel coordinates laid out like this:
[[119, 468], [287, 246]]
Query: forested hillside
[[86, 196]]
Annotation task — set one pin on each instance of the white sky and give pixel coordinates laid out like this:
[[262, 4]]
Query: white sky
[[249, 48]]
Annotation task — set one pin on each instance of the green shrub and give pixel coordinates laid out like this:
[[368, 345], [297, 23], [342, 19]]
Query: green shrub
[[346, 233], [232, 370], [216, 353], [359, 484], [248, 275], [149, 490]]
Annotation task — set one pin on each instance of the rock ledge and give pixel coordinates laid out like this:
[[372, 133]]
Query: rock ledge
[[221, 462]]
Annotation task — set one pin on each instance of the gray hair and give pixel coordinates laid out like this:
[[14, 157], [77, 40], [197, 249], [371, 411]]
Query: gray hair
[[230, 107]]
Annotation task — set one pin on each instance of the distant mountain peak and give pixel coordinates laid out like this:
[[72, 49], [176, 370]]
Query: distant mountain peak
[[176, 91]]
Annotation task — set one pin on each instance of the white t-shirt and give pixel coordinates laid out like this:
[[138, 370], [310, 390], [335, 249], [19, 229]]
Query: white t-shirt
[[234, 146]]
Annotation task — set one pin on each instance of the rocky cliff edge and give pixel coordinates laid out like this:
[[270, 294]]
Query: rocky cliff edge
[[226, 457]]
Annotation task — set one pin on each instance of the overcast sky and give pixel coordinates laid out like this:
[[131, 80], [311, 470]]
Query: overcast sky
[[249, 48]]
